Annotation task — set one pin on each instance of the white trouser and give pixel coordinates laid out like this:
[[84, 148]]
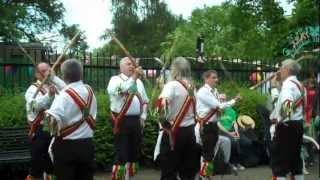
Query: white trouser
[[296, 177], [225, 145]]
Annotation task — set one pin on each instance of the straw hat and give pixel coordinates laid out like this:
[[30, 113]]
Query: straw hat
[[245, 121]]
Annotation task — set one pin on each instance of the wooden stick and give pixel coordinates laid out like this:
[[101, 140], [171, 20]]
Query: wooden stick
[[29, 57], [58, 61], [26, 53], [227, 73], [274, 74], [126, 52]]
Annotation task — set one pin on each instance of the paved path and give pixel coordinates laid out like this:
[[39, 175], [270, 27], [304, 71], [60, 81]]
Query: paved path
[[257, 173]]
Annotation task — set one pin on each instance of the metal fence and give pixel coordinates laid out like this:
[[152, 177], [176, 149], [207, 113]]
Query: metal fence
[[16, 76]]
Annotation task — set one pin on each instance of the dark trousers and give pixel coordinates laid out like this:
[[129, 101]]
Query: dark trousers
[[185, 157], [40, 160], [74, 159], [128, 140], [209, 137], [286, 149]]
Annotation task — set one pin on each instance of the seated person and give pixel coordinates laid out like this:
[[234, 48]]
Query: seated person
[[229, 129]]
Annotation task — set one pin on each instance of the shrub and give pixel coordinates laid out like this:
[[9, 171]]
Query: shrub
[[13, 112]]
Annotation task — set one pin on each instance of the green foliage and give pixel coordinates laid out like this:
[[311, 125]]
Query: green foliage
[[68, 32], [141, 26], [13, 113], [25, 19], [239, 28], [103, 134], [305, 13]]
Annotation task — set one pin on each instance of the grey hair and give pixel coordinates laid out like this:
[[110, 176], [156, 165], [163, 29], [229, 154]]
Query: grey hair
[[180, 69], [206, 74], [71, 70], [293, 67], [123, 60]]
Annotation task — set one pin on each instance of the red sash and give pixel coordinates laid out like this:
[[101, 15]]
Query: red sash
[[190, 100], [35, 123], [81, 105], [117, 118], [40, 116], [301, 100], [42, 90], [206, 118]]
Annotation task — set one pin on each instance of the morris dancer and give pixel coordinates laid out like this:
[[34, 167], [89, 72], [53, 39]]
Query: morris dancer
[[288, 118], [128, 104], [72, 119], [208, 110], [40, 139], [178, 152]]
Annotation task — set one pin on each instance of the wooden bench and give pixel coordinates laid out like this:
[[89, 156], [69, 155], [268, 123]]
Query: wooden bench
[[14, 145]]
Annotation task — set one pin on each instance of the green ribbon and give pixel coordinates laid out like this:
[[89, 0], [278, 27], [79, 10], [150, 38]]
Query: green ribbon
[[86, 112], [46, 124], [133, 88]]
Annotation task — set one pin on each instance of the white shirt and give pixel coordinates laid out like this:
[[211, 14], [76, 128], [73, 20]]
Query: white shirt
[[41, 101], [289, 91], [66, 112], [208, 99], [121, 84], [176, 94]]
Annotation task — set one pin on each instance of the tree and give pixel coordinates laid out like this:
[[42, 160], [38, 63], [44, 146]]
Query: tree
[[305, 13], [69, 32], [142, 25], [241, 28], [25, 19]]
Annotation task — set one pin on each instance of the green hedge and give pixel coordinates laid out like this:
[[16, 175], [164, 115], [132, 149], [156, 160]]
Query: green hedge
[[13, 114]]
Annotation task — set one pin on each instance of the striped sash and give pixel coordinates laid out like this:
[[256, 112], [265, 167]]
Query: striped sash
[[206, 118], [117, 118], [301, 100], [35, 123], [42, 90], [84, 108], [40, 116], [189, 101]]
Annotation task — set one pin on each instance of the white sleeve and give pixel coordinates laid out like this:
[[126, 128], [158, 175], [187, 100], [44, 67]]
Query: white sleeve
[[38, 103], [167, 91], [58, 107], [209, 100], [227, 104], [60, 84], [142, 91], [145, 99], [274, 93]]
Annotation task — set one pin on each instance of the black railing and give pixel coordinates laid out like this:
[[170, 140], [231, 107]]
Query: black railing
[[15, 76]]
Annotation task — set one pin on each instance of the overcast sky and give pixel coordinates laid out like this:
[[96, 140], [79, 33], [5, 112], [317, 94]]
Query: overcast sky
[[94, 16]]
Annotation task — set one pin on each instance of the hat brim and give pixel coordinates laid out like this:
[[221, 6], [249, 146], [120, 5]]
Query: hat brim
[[245, 122]]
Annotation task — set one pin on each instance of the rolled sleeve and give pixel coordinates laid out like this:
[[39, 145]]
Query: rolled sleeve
[[57, 108], [60, 84], [167, 92], [38, 103]]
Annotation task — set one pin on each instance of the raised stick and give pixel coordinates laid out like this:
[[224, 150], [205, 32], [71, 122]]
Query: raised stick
[[126, 52], [274, 74], [58, 61]]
